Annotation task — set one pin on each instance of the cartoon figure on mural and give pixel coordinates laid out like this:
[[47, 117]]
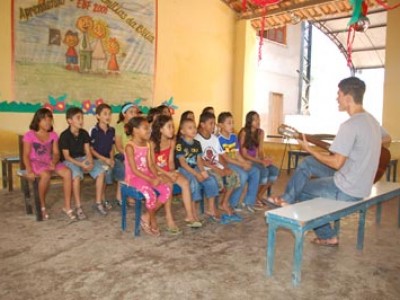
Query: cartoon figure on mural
[[85, 24], [99, 32], [113, 48], [71, 39]]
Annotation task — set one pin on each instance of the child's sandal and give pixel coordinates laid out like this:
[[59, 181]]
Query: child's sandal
[[80, 214], [45, 215], [70, 214], [155, 231]]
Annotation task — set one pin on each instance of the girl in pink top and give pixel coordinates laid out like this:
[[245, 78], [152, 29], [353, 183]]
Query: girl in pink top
[[163, 144], [41, 158], [141, 173]]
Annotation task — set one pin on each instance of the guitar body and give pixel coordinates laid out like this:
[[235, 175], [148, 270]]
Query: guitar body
[[290, 132], [384, 161]]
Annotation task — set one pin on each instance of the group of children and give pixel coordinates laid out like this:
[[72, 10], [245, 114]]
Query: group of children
[[206, 160]]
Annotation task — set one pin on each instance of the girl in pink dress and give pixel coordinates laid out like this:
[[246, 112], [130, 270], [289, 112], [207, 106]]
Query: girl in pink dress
[[41, 158], [141, 172]]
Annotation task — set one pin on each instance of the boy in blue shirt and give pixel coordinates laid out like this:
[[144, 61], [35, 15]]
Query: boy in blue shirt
[[102, 144], [247, 172]]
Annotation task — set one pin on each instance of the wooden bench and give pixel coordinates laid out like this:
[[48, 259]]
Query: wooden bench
[[307, 215], [392, 169], [293, 158], [6, 169]]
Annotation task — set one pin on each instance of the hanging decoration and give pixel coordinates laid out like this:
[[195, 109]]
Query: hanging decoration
[[261, 42], [263, 4], [360, 22]]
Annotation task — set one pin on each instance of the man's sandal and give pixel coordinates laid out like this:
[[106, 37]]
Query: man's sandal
[[276, 201], [70, 214]]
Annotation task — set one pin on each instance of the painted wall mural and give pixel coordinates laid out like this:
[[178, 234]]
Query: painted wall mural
[[82, 52]]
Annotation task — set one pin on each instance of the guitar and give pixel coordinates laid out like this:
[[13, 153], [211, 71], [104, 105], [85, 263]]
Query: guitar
[[290, 132]]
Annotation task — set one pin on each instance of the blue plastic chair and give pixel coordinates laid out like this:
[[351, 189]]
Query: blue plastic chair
[[129, 191]]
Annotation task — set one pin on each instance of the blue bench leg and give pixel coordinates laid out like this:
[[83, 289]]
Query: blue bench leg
[[138, 216], [123, 211], [297, 257], [361, 228], [271, 249], [337, 227], [378, 213]]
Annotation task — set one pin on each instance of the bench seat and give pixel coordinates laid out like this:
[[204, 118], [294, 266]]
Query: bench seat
[[307, 215]]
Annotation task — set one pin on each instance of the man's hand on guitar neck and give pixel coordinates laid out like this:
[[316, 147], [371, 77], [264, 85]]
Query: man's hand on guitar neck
[[334, 160], [304, 144]]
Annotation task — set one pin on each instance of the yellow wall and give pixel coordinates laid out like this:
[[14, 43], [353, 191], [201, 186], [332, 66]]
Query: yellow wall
[[195, 59], [195, 54], [244, 71], [391, 104], [5, 46]]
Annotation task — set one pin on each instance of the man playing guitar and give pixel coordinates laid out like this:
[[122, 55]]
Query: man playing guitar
[[348, 172]]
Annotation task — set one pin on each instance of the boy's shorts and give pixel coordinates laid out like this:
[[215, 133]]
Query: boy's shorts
[[78, 172], [229, 182], [109, 172]]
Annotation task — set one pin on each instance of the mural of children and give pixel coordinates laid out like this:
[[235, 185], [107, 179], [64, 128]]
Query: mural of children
[[113, 49], [85, 24], [71, 39], [99, 57]]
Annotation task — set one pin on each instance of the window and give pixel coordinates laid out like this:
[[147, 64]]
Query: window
[[277, 35]]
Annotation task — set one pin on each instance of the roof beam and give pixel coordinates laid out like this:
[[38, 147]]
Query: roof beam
[[369, 49], [260, 12], [377, 11], [370, 27], [371, 67]]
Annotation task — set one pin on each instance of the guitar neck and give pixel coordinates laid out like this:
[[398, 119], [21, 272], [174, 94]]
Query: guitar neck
[[310, 138]]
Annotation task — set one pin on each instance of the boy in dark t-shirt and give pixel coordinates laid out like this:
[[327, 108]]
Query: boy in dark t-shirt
[[189, 163], [75, 152], [102, 137]]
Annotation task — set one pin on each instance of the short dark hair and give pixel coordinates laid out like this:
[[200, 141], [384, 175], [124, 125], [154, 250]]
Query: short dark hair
[[72, 111], [204, 117], [101, 107], [207, 109], [354, 87], [39, 115], [153, 112], [135, 122], [185, 114], [223, 116]]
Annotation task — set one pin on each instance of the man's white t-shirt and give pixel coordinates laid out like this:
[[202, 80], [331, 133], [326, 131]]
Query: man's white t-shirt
[[360, 140]]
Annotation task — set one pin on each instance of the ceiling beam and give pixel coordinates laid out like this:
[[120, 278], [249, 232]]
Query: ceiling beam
[[304, 5], [370, 27], [369, 49]]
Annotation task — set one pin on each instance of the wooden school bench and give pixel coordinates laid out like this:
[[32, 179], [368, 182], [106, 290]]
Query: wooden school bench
[[307, 215], [6, 169]]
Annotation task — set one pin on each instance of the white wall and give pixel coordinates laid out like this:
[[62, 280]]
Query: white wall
[[276, 73]]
